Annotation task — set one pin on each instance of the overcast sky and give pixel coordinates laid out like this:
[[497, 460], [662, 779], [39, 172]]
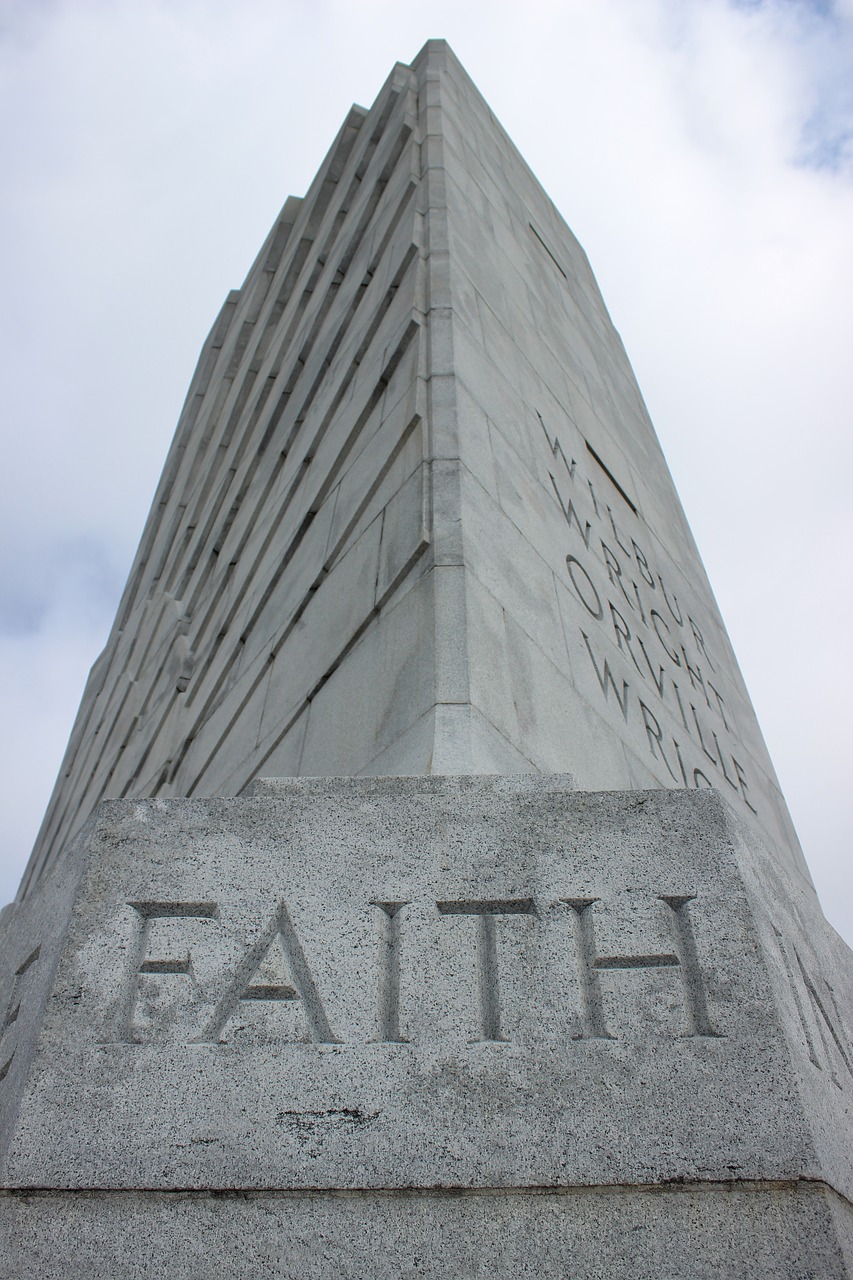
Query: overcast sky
[[702, 152]]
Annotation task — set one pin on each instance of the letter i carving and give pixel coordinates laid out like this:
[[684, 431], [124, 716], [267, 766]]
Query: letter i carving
[[389, 973], [485, 911]]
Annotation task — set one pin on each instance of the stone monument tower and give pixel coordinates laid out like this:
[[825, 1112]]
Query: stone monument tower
[[417, 897]]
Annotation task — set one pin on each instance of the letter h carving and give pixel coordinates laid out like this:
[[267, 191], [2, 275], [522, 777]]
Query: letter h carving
[[683, 958]]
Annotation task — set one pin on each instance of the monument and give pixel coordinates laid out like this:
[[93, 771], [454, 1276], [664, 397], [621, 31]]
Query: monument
[[417, 897]]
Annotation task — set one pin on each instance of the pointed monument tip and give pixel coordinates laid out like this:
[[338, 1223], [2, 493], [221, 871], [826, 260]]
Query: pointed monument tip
[[322, 499], [433, 49]]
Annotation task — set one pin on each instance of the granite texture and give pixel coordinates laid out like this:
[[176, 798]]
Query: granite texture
[[702, 1232], [491, 986]]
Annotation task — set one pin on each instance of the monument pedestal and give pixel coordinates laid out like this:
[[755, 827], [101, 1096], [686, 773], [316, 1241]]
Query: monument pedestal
[[426, 1026]]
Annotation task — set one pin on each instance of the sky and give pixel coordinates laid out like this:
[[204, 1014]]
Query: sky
[[702, 152]]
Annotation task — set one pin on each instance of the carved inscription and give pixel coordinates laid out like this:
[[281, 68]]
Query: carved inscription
[[683, 959], [208, 1003], [249, 982], [141, 962], [20, 984], [487, 954], [257, 977], [828, 1045], [389, 972], [676, 701]]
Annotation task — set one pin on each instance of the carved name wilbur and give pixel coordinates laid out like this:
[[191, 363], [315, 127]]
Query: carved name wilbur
[[632, 609]]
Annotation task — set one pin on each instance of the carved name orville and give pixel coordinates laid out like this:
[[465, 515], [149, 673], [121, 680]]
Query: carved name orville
[[631, 608]]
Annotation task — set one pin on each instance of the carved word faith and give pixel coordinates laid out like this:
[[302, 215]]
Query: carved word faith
[[274, 968]]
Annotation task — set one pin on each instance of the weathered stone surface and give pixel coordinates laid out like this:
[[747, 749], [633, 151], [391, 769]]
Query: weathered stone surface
[[704, 1232], [468, 983]]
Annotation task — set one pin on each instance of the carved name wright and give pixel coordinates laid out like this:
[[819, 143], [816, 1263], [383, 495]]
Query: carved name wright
[[677, 698]]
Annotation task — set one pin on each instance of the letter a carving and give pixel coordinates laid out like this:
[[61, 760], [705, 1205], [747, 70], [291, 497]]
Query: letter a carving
[[251, 983]]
